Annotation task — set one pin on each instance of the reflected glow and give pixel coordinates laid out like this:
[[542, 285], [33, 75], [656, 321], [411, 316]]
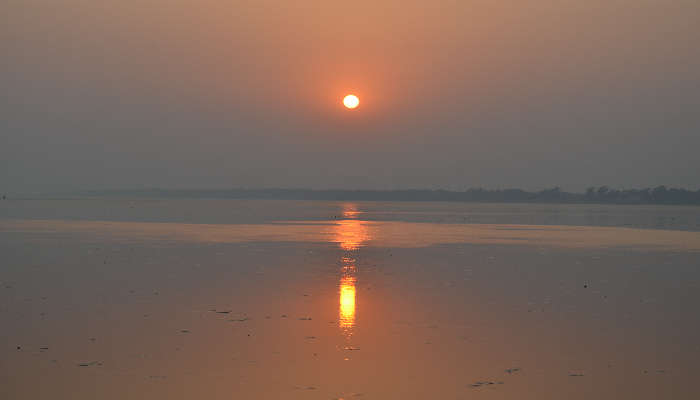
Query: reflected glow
[[350, 234], [347, 302], [350, 211]]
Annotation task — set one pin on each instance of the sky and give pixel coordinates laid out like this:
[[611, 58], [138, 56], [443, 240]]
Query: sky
[[453, 94]]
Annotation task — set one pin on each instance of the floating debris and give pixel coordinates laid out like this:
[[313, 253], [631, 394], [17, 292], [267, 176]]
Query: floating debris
[[351, 348], [512, 370], [184, 331], [311, 337], [483, 383], [239, 319], [89, 364], [576, 374], [305, 319], [305, 387]]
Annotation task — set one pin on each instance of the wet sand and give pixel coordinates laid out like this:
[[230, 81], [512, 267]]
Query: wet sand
[[346, 307]]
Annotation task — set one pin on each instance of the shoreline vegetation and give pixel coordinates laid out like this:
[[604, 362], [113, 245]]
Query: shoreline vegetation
[[593, 195]]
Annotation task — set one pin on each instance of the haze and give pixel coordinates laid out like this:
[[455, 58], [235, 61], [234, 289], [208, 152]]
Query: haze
[[454, 94]]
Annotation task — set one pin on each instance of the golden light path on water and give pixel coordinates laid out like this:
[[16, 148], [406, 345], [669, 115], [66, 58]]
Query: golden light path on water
[[350, 234], [347, 302]]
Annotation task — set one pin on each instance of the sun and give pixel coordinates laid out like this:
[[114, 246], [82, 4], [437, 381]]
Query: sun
[[351, 101]]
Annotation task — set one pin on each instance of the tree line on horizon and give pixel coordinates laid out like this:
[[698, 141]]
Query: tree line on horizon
[[600, 194]]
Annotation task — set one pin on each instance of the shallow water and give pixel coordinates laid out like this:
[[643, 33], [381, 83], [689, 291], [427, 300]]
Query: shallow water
[[323, 300], [217, 211]]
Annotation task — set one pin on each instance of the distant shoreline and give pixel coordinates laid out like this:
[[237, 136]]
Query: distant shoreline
[[593, 195]]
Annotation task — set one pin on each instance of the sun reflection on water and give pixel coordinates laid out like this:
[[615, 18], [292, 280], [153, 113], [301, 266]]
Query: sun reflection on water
[[350, 234], [347, 302]]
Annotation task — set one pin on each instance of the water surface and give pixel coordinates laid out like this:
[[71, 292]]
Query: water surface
[[323, 300]]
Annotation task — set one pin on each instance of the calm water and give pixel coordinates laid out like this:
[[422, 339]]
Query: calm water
[[221, 299]]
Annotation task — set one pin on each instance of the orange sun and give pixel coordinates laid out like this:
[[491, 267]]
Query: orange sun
[[351, 101]]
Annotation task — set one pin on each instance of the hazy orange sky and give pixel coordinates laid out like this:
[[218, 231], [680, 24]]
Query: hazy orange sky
[[184, 93]]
